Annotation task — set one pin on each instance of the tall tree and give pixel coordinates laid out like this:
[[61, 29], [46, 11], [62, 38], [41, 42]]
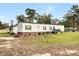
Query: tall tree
[[44, 19], [39, 19], [31, 14], [55, 21], [32, 17], [65, 23], [21, 18], [11, 27], [3, 25], [72, 16]]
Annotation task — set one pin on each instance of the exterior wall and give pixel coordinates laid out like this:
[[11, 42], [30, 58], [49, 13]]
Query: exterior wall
[[21, 27], [15, 29], [35, 28]]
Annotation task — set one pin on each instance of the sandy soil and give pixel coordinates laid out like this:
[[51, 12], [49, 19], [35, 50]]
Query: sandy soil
[[14, 48]]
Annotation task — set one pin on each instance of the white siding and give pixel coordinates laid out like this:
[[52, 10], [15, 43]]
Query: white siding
[[15, 29], [21, 27]]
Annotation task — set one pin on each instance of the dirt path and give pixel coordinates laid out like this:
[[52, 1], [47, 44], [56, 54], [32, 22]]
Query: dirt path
[[6, 42]]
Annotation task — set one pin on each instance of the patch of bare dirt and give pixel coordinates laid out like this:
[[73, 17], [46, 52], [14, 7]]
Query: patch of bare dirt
[[14, 48]]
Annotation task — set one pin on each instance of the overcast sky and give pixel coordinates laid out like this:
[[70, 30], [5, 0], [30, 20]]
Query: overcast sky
[[9, 11]]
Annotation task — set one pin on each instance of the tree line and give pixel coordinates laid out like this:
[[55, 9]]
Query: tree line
[[33, 17], [3, 25], [70, 19]]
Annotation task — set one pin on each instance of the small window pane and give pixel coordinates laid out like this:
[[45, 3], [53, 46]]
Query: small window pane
[[28, 27], [44, 27], [50, 28], [38, 26]]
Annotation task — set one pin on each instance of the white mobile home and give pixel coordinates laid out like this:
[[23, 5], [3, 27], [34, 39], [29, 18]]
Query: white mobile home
[[30, 28]]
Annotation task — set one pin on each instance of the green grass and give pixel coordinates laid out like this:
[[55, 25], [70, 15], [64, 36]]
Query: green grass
[[4, 34], [65, 38]]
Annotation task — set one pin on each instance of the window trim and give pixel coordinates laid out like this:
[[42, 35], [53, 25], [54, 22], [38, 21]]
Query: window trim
[[44, 28], [28, 27], [50, 27]]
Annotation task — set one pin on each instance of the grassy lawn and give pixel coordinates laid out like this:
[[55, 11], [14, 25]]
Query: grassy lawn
[[65, 38], [4, 34]]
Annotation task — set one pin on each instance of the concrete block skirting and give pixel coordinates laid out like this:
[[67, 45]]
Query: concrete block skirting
[[32, 33]]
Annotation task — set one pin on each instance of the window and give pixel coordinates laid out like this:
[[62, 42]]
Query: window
[[38, 26], [28, 27], [54, 27], [44, 27], [50, 28]]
